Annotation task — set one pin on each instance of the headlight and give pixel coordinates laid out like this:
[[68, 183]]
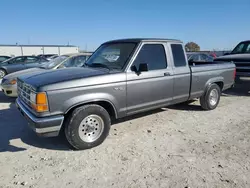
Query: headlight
[[13, 81], [33, 97]]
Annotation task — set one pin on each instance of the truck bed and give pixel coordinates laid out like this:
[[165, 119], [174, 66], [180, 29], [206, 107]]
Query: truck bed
[[203, 73]]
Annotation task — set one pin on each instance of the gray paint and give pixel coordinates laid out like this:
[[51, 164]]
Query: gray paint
[[127, 91]]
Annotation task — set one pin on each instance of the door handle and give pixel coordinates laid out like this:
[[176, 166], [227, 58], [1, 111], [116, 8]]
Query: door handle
[[167, 74]]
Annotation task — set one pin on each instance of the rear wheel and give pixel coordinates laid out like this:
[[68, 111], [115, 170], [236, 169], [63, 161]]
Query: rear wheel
[[87, 127], [211, 97], [2, 73]]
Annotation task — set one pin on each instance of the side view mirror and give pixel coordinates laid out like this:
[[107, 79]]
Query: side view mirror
[[133, 68], [143, 67], [191, 60]]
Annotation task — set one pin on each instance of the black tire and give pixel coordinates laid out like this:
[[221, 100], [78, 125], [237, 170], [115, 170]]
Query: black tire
[[74, 121], [205, 101], [2, 73]]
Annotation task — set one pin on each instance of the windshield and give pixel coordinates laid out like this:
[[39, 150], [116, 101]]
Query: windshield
[[54, 62], [243, 47], [111, 56]]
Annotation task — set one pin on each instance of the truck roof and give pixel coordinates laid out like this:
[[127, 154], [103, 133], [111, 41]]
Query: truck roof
[[137, 40]]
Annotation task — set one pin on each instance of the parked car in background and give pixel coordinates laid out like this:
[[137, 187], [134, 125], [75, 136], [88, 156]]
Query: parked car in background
[[19, 63], [199, 56], [52, 57], [213, 54], [121, 78], [3, 58], [48, 56], [9, 86], [240, 56]]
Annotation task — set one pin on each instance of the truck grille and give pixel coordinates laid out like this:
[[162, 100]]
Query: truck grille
[[24, 91]]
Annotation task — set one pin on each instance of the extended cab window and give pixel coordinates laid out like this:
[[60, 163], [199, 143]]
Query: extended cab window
[[152, 54], [178, 55]]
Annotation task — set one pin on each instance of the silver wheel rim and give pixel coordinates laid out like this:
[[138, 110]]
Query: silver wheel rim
[[213, 97], [91, 128], [2, 74]]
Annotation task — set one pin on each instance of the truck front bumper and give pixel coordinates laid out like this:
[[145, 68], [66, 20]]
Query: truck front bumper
[[44, 126]]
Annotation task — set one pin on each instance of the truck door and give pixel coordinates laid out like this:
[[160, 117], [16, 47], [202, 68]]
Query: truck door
[[182, 74], [153, 88]]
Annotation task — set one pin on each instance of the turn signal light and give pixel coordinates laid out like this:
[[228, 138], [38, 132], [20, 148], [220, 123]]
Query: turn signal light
[[41, 98], [41, 104], [13, 82]]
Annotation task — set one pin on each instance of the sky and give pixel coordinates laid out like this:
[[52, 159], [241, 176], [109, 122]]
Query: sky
[[212, 24]]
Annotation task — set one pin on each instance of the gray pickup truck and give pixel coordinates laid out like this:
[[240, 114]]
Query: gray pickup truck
[[121, 78]]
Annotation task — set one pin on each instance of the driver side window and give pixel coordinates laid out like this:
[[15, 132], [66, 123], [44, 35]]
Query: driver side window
[[153, 55]]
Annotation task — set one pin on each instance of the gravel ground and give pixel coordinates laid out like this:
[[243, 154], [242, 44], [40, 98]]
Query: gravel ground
[[178, 146]]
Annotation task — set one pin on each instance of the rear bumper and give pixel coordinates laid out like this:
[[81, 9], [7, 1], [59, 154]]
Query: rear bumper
[[45, 126], [9, 90]]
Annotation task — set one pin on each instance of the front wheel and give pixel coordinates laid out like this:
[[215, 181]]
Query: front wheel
[[87, 127], [211, 97]]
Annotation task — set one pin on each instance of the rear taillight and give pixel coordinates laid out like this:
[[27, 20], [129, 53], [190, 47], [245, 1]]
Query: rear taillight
[[234, 73]]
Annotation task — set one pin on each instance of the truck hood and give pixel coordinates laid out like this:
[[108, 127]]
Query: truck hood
[[23, 72], [60, 75], [234, 57]]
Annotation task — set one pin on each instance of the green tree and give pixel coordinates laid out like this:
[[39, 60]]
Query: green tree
[[192, 47]]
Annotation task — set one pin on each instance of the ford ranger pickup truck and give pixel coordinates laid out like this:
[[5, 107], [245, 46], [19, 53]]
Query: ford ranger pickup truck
[[240, 56], [122, 77]]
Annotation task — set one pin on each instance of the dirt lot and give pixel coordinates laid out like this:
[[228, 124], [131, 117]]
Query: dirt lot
[[179, 146]]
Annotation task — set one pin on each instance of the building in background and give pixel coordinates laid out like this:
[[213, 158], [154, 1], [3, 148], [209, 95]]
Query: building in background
[[19, 50]]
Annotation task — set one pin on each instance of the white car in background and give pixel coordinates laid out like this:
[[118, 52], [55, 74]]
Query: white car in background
[[9, 82]]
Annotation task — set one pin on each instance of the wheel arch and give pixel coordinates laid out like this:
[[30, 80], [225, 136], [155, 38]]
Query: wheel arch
[[217, 80], [106, 104], [4, 69]]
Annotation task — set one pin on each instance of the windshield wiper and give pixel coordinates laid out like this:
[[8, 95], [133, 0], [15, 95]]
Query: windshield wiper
[[98, 65]]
